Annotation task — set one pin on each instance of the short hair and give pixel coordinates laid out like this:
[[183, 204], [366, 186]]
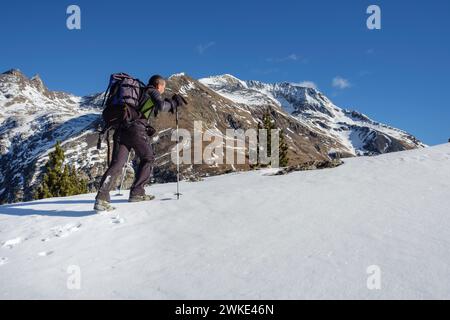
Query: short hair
[[156, 80]]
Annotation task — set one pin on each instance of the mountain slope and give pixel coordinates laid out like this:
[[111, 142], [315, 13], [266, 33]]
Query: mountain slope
[[246, 235], [33, 118], [356, 132]]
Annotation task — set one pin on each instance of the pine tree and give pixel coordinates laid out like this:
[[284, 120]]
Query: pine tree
[[79, 185], [268, 125], [257, 164], [59, 180], [283, 155]]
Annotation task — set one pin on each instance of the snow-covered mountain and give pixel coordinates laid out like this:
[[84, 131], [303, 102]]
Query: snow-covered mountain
[[33, 118], [355, 131], [250, 235]]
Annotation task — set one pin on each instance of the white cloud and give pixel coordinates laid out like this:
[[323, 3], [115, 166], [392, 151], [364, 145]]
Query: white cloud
[[341, 83], [291, 57], [201, 48]]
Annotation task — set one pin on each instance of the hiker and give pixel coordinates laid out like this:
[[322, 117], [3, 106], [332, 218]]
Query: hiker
[[135, 134]]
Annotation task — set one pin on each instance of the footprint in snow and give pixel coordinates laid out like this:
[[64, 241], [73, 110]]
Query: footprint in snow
[[117, 220], [3, 261], [45, 253], [11, 243], [62, 231]]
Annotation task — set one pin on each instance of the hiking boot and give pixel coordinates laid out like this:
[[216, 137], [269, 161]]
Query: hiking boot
[[146, 197], [102, 206]]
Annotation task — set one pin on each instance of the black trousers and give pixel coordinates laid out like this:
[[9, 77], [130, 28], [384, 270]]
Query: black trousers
[[132, 137]]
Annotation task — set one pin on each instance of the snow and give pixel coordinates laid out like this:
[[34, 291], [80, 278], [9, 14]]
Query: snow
[[176, 75], [11, 243], [309, 107], [310, 234], [32, 119], [237, 90]]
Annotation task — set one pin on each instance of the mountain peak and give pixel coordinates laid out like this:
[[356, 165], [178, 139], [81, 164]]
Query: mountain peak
[[304, 84], [224, 79], [37, 82], [176, 75], [36, 77], [14, 72], [229, 76], [229, 79]]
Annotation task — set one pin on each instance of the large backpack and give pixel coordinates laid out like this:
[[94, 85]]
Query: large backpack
[[122, 98]]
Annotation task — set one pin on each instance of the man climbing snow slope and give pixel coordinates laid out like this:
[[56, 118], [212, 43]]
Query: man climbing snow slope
[[134, 133]]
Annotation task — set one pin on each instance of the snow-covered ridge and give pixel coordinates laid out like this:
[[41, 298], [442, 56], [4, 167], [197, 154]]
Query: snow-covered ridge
[[175, 75], [32, 119], [28, 107], [360, 135]]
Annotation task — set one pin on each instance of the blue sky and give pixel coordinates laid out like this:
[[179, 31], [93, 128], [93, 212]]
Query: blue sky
[[399, 75]]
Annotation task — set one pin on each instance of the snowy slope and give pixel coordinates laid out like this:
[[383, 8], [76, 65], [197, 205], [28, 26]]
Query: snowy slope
[[359, 134], [32, 119], [245, 235]]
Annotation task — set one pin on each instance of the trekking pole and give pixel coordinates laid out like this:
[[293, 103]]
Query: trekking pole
[[124, 170], [178, 157]]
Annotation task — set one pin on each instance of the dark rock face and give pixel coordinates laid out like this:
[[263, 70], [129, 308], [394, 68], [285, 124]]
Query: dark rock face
[[382, 142]]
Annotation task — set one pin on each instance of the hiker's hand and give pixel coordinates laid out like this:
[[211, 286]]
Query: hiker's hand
[[178, 100]]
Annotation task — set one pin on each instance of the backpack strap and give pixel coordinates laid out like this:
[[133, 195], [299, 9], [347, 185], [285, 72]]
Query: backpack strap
[[147, 108], [109, 148], [106, 94], [101, 135]]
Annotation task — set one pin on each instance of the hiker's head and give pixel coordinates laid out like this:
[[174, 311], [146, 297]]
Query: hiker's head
[[158, 82]]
